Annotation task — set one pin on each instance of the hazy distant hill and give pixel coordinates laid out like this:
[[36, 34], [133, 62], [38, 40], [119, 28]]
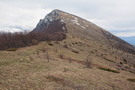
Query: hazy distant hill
[[130, 40]]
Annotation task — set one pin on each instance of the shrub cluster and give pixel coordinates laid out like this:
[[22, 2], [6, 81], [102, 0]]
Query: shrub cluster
[[22, 39], [131, 80], [109, 70]]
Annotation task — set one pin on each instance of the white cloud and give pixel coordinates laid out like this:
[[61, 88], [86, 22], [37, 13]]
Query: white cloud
[[27, 18], [125, 34], [6, 29]]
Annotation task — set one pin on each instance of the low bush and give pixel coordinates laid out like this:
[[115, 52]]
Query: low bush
[[50, 44], [75, 51], [131, 80], [109, 60], [121, 63], [125, 60], [35, 42], [88, 64], [65, 46], [56, 79], [107, 69], [92, 52]]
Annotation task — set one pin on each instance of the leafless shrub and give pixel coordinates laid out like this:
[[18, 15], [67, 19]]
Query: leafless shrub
[[35, 42], [61, 56], [69, 59], [88, 63], [44, 49], [65, 46], [56, 42], [64, 70], [56, 49], [31, 58], [48, 57], [37, 52]]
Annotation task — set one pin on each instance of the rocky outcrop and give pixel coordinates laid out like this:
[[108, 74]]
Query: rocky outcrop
[[51, 23]]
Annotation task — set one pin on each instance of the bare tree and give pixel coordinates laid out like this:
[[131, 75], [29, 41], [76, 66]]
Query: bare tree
[[56, 49], [43, 49], [88, 62], [37, 52], [22, 39], [69, 59], [48, 57]]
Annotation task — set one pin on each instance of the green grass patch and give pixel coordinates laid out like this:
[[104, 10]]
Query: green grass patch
[[11, 49], [131, 80], [7, 62], [107, 69]]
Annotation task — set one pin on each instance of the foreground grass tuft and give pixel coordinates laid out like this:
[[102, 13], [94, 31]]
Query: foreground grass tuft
[[131, 80], [109, 70], [11, 49]]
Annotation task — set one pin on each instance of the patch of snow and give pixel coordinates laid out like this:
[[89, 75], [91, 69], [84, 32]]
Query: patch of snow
[[86, 25], [83, 27], [63, 28], [21, 59], [62, 20], [83, 21], [51, 16], [51, 19], [53, 12], [77, 24], [75, 21], [45, 20], [106, 33]]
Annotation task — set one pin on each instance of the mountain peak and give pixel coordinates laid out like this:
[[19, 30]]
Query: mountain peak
[[59, 21], [56, 10], [53, 18]]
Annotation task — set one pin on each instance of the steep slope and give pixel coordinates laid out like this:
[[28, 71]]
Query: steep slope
[[106, 45], [59, 21], [68, 68]]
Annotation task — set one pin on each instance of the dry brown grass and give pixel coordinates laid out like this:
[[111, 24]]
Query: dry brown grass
[[24, 69]]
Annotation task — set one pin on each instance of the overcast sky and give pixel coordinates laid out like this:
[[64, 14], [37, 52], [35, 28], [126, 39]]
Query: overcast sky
[[116, 16]]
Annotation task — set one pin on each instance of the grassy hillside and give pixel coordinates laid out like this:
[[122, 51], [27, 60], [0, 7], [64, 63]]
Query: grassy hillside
[[71, 64]]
